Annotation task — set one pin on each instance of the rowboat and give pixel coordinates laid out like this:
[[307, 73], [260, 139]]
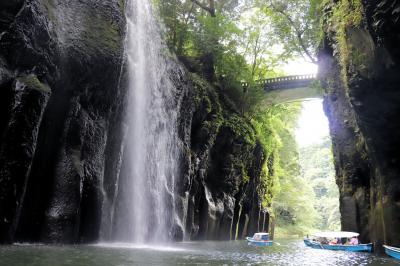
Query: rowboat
[[318, 243], [259, 239], [392, 251]]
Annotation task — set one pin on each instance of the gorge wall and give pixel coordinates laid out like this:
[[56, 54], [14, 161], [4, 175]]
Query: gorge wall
[[62, 132], [359, 67], [60, 69]]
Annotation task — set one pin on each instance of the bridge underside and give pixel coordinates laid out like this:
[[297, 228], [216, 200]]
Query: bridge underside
[[292, 94]]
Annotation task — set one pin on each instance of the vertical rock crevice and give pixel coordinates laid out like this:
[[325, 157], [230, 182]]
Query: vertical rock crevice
[[75, 49]]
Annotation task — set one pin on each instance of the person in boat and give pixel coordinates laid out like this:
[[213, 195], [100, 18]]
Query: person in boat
[[324, 241], [353, 241], [336, 241], [333, 242]]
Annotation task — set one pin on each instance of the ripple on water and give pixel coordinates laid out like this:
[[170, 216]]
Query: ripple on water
[[165, 248], [289, 253]]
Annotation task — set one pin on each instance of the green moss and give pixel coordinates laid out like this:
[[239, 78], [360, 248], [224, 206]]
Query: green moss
[[202, 89], [245, 176], [345, 15], [241, 127], [102, 32], [361, 146], [362, 52], [32, 82], [218, 115], [121, 4], [207, 105], [49, 5], [206, 95]]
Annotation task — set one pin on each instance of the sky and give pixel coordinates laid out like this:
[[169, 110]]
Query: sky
[[312, 124], [300, 67]]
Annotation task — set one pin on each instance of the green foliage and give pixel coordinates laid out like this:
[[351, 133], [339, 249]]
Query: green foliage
[[235, 41], [339, 17], [243, 42], [289, 195], [301, 193], [317, 169], [236, 123], [296, 25]]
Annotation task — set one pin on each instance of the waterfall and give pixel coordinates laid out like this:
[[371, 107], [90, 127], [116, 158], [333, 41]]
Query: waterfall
[[150, 158]]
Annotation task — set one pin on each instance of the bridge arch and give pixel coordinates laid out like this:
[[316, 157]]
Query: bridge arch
[[289, 88]]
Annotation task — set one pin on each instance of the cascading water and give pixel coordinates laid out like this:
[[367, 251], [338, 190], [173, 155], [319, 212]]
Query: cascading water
[[150, 157]]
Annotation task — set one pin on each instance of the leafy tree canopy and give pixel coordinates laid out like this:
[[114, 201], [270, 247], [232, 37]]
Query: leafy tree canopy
[[230, 42]]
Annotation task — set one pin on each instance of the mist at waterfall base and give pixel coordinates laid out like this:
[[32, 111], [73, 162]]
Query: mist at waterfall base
[[145, 209], [284, 253]]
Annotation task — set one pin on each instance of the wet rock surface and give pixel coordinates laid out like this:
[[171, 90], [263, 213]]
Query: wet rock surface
[[59, 74], [62, 132], [364, 109], [221, 168]]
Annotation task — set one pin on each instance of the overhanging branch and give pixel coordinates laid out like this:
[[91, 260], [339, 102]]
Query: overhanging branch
[[298, 32], [210, 9]]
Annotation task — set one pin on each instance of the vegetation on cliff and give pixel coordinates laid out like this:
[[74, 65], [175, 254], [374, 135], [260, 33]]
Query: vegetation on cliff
[[228, 43], [360, 59]]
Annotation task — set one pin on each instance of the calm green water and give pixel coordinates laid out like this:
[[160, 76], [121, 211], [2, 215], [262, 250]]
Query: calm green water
[[287, 252]]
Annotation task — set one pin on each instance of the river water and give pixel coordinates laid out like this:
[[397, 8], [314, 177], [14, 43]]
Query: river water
[[284, 252]]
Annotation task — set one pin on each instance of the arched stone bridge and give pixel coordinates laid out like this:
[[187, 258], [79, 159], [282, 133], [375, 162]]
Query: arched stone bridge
[[289, 88]]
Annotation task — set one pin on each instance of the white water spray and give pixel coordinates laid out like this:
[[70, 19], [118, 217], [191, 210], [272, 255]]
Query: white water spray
[[151, 152]]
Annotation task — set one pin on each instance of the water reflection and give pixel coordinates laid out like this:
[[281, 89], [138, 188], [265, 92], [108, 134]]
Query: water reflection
[[285, 252]]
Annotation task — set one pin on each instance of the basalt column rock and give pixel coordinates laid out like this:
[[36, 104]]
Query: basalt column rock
[[63, 83], [361, 71], [350, 156], [220, 191], [29, 100], [60, 93]]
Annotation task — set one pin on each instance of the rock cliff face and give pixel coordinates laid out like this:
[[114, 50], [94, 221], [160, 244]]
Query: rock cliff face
[[62, 88], [360, 67], [221, 168], [60, 65]]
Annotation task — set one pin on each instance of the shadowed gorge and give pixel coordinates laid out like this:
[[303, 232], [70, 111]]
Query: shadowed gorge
[[146, 121], [360, 71]]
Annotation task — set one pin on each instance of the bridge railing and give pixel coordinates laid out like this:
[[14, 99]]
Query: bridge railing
[[287, 82]]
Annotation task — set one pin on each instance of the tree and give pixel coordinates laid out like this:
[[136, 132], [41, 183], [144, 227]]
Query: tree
[[316, 161], [297, 24], [208, 59], [210, 8], [236, 42]]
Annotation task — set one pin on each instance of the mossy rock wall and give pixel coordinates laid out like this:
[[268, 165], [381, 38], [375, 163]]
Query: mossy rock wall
[[63, 87], [60, 66], [222, 168], [360, 68]]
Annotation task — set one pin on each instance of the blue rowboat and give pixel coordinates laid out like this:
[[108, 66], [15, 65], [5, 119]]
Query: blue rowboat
[[392, 251], [356, 248], [320, 241], [259, 239]]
